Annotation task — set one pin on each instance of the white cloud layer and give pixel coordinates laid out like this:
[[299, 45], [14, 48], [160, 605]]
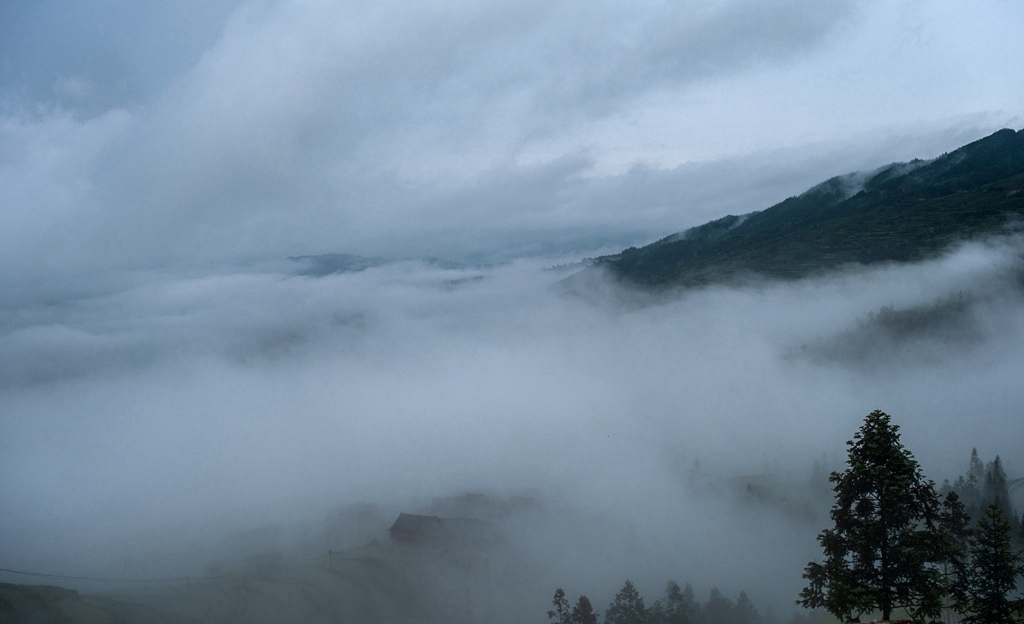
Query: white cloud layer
[[164, 412], [464, 128]]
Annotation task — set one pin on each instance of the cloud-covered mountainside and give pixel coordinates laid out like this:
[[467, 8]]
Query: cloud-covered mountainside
[[902, 212]]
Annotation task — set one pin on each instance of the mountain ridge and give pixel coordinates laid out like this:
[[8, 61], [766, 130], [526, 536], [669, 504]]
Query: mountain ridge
[[902, 212]]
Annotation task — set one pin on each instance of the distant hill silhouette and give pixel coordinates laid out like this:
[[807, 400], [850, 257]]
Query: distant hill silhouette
[[900, 213]]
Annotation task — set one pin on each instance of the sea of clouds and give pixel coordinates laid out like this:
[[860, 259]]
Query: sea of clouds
[[148, 417]]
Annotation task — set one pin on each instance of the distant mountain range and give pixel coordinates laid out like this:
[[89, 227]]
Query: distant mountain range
[[900, 213], [335, 263]]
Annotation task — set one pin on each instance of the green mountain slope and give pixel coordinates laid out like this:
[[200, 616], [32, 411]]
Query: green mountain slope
[[900, 213]]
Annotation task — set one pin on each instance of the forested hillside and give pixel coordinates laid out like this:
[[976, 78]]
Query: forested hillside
[[900, 213]]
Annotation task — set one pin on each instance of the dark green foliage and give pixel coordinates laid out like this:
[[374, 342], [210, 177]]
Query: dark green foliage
[[982, 593], [884, 550], [627, 608], [677, 607], [583, 612], [904, 212], [561, 613]]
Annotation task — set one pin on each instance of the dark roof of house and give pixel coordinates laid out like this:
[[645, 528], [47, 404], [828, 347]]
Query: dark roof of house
[[413, 523], [415, 527]]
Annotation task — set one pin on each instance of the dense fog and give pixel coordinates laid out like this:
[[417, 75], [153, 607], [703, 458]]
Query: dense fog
[[184, 394], [150, 420]]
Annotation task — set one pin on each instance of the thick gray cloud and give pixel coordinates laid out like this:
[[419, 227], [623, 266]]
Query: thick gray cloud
[[455, 129], [333, 111]]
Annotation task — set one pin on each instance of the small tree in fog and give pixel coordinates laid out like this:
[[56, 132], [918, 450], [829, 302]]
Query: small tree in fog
[[627, 608], [884, 550], [955, 532], [718, 609], [561, 613], [983, 485], [744, 612], [676, 607], [583, 612], [993, 486], [982, 594]]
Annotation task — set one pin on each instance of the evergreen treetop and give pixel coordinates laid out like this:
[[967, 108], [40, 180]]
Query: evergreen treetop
[[885, 546], [583, 612], [627, 608]]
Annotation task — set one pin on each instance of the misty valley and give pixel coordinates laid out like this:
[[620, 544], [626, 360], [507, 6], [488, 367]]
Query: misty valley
[[655, 436], [461, 559]]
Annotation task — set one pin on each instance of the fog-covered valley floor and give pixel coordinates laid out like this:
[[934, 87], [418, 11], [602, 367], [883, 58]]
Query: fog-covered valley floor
[[162, 425]]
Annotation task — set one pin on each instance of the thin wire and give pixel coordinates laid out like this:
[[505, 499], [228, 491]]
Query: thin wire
[[90, 578]]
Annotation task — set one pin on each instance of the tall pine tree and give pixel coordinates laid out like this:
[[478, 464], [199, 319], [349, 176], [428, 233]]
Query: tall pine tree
[[884, 549], [983, 593]]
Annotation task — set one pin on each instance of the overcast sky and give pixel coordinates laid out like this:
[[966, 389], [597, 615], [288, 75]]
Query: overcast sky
[[175, 131]]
